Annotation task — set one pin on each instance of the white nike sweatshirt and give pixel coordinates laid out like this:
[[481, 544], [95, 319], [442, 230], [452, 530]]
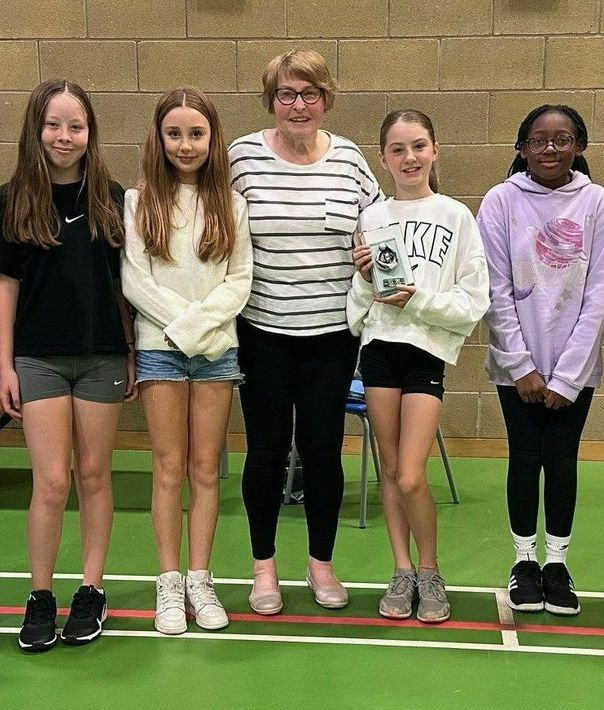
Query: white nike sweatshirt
[[450, 274]]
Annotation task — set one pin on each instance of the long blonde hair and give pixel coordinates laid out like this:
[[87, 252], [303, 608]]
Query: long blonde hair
[[30, 216], [157, 191]]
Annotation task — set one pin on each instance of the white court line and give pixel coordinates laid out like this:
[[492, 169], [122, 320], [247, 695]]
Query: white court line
[[509, 637], [346, 641], [282, 582]]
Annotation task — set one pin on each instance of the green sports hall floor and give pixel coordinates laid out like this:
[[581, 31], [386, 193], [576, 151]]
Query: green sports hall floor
[[309, 657]]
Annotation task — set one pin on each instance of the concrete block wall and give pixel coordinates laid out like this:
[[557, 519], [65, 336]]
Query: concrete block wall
[[475, 66]]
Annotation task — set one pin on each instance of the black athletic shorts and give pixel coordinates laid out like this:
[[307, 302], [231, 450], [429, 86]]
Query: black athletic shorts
[[402, 366]]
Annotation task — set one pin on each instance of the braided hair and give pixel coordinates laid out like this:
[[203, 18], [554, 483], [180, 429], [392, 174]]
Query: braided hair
[[520, 164]]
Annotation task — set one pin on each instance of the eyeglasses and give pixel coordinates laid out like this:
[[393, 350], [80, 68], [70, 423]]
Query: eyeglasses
[[561, 143], [310, 96]]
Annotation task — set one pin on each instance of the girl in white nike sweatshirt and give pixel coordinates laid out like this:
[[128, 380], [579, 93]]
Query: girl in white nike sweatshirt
[[406, 339]]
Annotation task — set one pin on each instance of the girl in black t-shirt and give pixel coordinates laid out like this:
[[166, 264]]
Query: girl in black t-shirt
[[64, 336]]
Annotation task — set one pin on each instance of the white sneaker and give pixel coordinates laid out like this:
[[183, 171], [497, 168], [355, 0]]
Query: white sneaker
[[170, 617], [202, 602]]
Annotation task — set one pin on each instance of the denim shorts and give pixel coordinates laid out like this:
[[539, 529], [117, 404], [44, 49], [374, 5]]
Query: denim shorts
[[175, 366]]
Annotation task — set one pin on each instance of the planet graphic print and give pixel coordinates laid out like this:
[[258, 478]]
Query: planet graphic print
[[559, 243]]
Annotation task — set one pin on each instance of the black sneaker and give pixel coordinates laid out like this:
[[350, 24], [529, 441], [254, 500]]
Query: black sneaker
[[85, 622], [524, 587], [559, 590], [38, 632]]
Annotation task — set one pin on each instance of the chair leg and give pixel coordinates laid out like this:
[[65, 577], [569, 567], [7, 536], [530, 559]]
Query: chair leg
[[374, 454], [224, 462], [289, 482], [448, 471], [364, 456]]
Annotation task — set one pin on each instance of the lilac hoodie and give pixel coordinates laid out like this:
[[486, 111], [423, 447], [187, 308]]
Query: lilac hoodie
[[545, 251]]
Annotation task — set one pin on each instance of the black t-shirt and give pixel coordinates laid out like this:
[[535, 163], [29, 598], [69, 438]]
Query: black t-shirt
[[67, 303]]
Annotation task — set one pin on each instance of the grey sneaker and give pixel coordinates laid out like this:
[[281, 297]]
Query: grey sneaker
[[433, 603], [398, 600]]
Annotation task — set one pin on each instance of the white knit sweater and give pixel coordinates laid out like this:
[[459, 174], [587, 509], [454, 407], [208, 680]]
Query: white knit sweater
[[192, 302]]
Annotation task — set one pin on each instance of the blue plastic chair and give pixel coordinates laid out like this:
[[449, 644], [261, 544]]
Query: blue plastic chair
[[356, 405]]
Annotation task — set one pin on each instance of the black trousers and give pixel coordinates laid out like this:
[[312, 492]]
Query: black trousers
[[542, 438], [312, 375]]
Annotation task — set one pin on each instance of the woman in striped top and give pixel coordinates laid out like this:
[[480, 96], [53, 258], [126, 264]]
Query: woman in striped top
[[305, 189]]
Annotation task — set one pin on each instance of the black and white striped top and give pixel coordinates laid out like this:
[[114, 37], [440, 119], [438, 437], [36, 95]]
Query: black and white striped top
[[302, 222]]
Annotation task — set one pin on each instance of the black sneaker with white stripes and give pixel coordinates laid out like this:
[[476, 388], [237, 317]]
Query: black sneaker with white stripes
[[559, 590], [524, 588], [85, 622], [38, 632]]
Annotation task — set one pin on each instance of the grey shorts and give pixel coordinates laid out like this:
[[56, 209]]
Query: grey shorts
[[95, 378]]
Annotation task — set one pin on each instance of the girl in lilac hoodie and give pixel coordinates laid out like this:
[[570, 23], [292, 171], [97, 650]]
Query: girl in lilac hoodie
[[543, 233]]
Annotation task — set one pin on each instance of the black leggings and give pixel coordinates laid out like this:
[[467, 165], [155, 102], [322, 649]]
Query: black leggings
[[548, 438], [311, 374]]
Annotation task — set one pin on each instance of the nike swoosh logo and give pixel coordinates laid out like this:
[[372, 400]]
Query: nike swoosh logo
[[434, 383], [73, 219], [118, 382]]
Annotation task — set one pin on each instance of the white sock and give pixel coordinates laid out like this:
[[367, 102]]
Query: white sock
[[556, 548], [526, 547]]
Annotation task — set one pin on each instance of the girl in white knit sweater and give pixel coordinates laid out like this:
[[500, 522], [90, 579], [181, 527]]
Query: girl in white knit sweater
[[187, 270]]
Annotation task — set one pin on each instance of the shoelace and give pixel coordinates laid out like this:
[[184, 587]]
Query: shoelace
[[202, 592], [39, 610], [561, 580], [526, 573], [401, 584], [171, 593], [82, 605], [434, 587]]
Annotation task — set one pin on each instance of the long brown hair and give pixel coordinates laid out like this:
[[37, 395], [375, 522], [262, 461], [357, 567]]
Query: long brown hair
[[409, 115], [30, 216], [157, 198]]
